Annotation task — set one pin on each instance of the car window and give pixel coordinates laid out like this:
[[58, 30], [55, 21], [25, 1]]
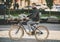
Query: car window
[[2, 6], [28, 6]]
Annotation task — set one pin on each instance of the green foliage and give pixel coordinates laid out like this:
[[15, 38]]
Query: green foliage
[[49, 3], [14, 14]]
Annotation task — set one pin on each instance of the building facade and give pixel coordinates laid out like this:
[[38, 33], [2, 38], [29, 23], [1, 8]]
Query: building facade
[[23, 3]]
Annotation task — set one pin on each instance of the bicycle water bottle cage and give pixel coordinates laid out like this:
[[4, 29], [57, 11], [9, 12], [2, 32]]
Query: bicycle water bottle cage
[[31, 24], [34, 24], [24, 23]]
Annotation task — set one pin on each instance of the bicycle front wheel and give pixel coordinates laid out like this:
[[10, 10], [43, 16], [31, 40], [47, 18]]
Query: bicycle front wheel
[[16, 32], [41, 33]]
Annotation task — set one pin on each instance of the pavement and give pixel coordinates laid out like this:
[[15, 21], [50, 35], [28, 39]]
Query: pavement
[[54, 34]]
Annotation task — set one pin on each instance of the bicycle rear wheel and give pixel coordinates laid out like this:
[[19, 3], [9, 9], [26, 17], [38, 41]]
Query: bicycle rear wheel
[[16, 32], [41, 33]]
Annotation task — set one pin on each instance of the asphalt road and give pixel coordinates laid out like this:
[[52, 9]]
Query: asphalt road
[[54, 34]]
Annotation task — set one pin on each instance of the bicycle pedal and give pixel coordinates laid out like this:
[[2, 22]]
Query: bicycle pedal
[[41, 33], [32, 33]]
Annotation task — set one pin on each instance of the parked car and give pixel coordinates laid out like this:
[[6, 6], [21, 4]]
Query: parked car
[[2, 9], [27, 7], [38, 6], [44, 6], [56, 7], [53, 19]]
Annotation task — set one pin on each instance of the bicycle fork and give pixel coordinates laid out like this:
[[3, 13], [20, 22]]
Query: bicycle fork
[[17, 30], [40, 32]]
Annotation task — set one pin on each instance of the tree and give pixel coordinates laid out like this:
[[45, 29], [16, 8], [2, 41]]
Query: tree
[[28, 2], [2, 0], [28, 5], [49, 4], [8, 5], [21, 2]]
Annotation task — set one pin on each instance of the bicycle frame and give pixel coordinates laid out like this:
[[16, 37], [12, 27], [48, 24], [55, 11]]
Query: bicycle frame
[[31, 25]]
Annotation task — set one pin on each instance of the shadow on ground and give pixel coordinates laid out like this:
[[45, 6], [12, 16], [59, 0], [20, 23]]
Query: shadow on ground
[[26, 40]]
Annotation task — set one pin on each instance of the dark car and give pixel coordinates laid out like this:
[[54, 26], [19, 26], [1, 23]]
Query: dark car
[[2, 6], [2, 9]]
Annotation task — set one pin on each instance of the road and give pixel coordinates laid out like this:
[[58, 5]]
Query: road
[[54, 34]]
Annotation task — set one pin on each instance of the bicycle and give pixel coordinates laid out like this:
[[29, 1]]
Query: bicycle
[[17, 30]]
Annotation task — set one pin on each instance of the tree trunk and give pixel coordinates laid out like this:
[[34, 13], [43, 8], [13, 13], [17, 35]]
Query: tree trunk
[[21, 2], [50, 13], [28, 5]]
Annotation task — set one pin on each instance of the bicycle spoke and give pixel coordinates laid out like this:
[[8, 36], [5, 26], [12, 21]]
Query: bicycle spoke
[[41, 33], [16, 32]]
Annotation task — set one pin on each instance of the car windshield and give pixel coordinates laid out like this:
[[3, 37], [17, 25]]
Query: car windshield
[[57, 4], [38, 5], [28, 6], [2, 6]]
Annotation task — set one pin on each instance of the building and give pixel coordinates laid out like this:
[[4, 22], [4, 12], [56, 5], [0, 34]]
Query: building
[[23, 3]]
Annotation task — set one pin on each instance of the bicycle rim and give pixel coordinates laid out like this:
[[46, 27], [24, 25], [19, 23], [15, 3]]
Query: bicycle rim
[[13, 34], [41, 33]]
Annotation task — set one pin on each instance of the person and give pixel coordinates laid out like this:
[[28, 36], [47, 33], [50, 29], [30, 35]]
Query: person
[[35, 13], [34, 16], [16, 6]]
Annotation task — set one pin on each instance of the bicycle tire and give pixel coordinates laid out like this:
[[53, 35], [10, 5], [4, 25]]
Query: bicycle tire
[[39, 27], [14, 27]]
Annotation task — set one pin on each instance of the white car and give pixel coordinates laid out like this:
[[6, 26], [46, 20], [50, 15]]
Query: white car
[[22, 16], [56, 7], [44, 6], [27, 7], [38, 6], [41, 6]]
